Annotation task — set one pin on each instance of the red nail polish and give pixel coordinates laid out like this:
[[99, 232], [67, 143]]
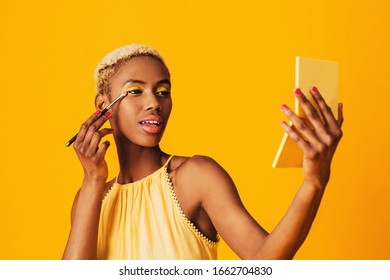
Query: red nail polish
[[108, 114], [315, 90], [98, 112], [284, 124], [298, 92], [284, 107]]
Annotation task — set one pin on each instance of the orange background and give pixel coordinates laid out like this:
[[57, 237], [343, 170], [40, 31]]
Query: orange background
[[232, 66]]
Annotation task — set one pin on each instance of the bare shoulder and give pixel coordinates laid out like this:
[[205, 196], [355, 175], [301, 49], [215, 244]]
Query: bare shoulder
[[199, 172], [195, 166]]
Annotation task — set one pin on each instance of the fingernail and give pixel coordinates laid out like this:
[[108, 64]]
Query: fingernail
[[297, 92], [284, 125], [108, 114], [284, 107], [98, 112], [315, 90]]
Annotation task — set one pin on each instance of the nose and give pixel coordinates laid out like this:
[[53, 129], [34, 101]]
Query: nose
[[152, 102]]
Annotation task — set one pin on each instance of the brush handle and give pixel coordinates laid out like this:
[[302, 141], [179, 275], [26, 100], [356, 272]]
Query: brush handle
[[74, 137], [120, 97]]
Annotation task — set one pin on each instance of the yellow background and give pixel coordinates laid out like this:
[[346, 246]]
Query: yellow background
[[232, 65]]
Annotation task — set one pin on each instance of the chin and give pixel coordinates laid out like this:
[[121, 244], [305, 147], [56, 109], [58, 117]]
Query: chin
[[148, 142]]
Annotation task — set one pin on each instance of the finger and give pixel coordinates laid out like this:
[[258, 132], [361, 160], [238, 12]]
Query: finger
[[95, 126], [311, 113], [101, 153], [334, 133], [84, 127], [325, 110], [340, 117], [305, 146], [300, 125], [327, 130], [96, 138]]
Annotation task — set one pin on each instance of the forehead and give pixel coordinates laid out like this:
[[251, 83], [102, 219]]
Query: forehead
[[143, 68]]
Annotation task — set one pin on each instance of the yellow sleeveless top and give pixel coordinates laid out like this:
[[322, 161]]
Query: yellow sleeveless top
[[143, 220]]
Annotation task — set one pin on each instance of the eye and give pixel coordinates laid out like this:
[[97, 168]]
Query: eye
[[135, 91], [163, 93]]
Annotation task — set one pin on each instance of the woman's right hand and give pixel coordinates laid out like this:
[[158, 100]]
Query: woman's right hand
[[87, 148], [82, 241]]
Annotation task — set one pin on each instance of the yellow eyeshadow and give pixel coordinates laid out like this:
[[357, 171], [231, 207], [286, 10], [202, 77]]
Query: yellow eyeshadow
[[132, 88], [162, 89]]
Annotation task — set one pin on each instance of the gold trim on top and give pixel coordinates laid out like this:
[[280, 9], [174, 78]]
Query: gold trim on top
[[191, 224]]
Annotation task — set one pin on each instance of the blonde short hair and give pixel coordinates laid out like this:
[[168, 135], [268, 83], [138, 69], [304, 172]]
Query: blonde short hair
[[111, 62]]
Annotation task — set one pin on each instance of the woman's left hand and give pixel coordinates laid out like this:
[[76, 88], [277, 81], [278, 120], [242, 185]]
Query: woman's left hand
[[317, 136]]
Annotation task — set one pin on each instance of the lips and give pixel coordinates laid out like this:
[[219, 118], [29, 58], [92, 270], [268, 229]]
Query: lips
[[152, 124]]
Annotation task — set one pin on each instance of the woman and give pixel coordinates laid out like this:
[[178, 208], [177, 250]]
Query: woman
[[172, 207]]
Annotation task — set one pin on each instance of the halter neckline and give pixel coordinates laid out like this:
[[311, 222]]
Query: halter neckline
[[162, 167]]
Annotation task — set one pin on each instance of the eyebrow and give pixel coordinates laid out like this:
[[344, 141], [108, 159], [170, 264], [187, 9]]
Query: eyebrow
[[165, 81]]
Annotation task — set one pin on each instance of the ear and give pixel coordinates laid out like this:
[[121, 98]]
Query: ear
[[100, 101]]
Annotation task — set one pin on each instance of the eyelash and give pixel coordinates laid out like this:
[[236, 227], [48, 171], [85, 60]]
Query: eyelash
[[138, 91], [134, 91], [163, 93]]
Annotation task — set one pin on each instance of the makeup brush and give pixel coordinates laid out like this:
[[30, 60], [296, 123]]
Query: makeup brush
[[120, 97]]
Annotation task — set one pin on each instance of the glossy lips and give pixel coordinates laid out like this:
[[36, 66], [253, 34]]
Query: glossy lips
[[152, 124]]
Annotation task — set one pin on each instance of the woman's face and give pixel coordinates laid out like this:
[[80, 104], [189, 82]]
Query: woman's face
[[141, 117]]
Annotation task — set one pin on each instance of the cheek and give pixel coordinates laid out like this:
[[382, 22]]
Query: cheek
[[167, 107], [128, 108], [125, 114]]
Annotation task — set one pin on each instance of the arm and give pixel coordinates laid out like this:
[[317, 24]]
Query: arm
[[82, 241], [224, 207], [318, 137]]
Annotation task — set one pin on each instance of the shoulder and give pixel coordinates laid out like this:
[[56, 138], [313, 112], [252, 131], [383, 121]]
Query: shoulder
[[193, 165], [199, 171]]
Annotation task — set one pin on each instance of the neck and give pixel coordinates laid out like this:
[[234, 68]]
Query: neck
[[137, 162]]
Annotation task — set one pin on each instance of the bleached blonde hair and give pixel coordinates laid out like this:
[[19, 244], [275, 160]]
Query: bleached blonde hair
[[111, 62]]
